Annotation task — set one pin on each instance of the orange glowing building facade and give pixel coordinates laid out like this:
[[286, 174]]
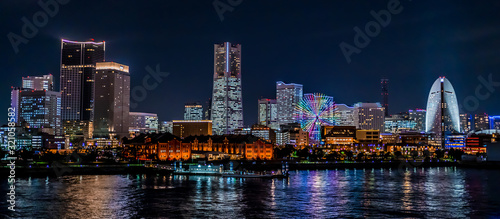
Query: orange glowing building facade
[[167, 147]]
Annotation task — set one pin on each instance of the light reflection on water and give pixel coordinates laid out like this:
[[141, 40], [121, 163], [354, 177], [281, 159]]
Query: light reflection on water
[[430, 192]]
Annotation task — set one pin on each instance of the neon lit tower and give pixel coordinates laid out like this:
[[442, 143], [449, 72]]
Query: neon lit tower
[[442, 109], [227, 104], [315, 110]]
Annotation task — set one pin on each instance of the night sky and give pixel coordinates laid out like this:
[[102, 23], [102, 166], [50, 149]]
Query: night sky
[[291, 41]]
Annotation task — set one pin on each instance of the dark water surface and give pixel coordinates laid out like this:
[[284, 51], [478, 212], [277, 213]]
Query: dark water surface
[[445, 192]]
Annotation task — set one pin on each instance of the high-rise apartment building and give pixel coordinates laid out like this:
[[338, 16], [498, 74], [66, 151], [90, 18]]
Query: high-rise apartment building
[[193, 111], [287, 98], [112, 97], [268, 113], [41, 109], [369, 116], [44, 82], [227, 104]]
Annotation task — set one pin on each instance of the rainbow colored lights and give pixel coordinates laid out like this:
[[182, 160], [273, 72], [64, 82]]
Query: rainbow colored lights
[[313, 111]]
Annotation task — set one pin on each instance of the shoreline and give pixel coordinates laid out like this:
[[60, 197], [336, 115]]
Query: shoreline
[[269, 166]]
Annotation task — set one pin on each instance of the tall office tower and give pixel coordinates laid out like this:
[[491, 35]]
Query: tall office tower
[[418, 116], [112, 97], [481, 122], [465, 122], [369, 116], [287, 98], [193, 111], [227, 104], [14, 102], [207, 114], [385, 95], [268, 113], [41, 109], [44, 82], [78, 61], [166, 126], [344, 115], [143, 122], [442, 110]]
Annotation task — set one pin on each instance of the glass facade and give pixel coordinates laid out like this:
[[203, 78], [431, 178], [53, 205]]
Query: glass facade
[[268, 113], [193, 111]]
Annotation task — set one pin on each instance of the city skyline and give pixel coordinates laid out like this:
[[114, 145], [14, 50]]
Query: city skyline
[[319, 68]]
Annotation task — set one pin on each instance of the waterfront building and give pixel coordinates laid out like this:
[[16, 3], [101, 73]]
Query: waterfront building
[[369, 116], [166, 146], [112, 93], [193, 111], [338, 136], [456, 141], [44, 82], [288, 97], [185, 128], [227, 104]]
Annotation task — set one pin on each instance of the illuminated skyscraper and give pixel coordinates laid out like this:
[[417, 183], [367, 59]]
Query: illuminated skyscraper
[[268, 113], [41, 109], [442, 110], [44, 82], [288, 97], [78, 61], [227, 105], [112, 95], [369, 116], [193, 111]]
